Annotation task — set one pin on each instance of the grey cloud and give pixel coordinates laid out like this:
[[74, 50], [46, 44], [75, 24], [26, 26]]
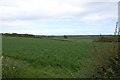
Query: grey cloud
[[105, 9]]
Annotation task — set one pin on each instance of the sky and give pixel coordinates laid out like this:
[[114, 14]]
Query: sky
[[58, 17]]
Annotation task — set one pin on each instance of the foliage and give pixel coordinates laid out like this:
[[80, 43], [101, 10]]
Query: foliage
[[107, 57], [65, 36], [26, 35]]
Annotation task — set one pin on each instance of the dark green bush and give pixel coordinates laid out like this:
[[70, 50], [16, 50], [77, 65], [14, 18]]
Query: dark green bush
[[65, 36], [109, 67]]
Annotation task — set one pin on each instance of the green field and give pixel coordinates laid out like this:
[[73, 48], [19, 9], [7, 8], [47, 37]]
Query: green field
[[47, 58]]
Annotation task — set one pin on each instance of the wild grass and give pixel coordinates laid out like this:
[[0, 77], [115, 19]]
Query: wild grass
[[47, 58], [56, 58], [12, 68]]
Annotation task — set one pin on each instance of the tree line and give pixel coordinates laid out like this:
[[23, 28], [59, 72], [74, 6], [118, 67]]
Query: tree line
[[26, 35]]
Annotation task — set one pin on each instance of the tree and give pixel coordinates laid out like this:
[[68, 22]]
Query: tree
[[65, 36]]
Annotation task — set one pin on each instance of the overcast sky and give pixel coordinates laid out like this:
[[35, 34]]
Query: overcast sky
[[58, 17]]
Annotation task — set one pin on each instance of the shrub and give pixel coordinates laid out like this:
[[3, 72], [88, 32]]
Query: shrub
[[106, 56], [65, 36]]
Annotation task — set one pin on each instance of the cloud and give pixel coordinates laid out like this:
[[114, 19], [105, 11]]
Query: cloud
[[46, 16], [42, 9], [29, 9]]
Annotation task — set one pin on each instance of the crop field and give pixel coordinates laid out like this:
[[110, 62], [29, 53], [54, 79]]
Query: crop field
[[47, 58]]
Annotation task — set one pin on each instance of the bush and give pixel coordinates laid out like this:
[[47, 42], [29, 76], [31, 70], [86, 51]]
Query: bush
[[65, 36], [106, 56]]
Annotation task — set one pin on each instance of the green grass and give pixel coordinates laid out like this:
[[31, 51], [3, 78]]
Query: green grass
[[47, 58]]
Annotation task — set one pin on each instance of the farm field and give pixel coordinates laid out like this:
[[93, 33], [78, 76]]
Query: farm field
[[47, 58]]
